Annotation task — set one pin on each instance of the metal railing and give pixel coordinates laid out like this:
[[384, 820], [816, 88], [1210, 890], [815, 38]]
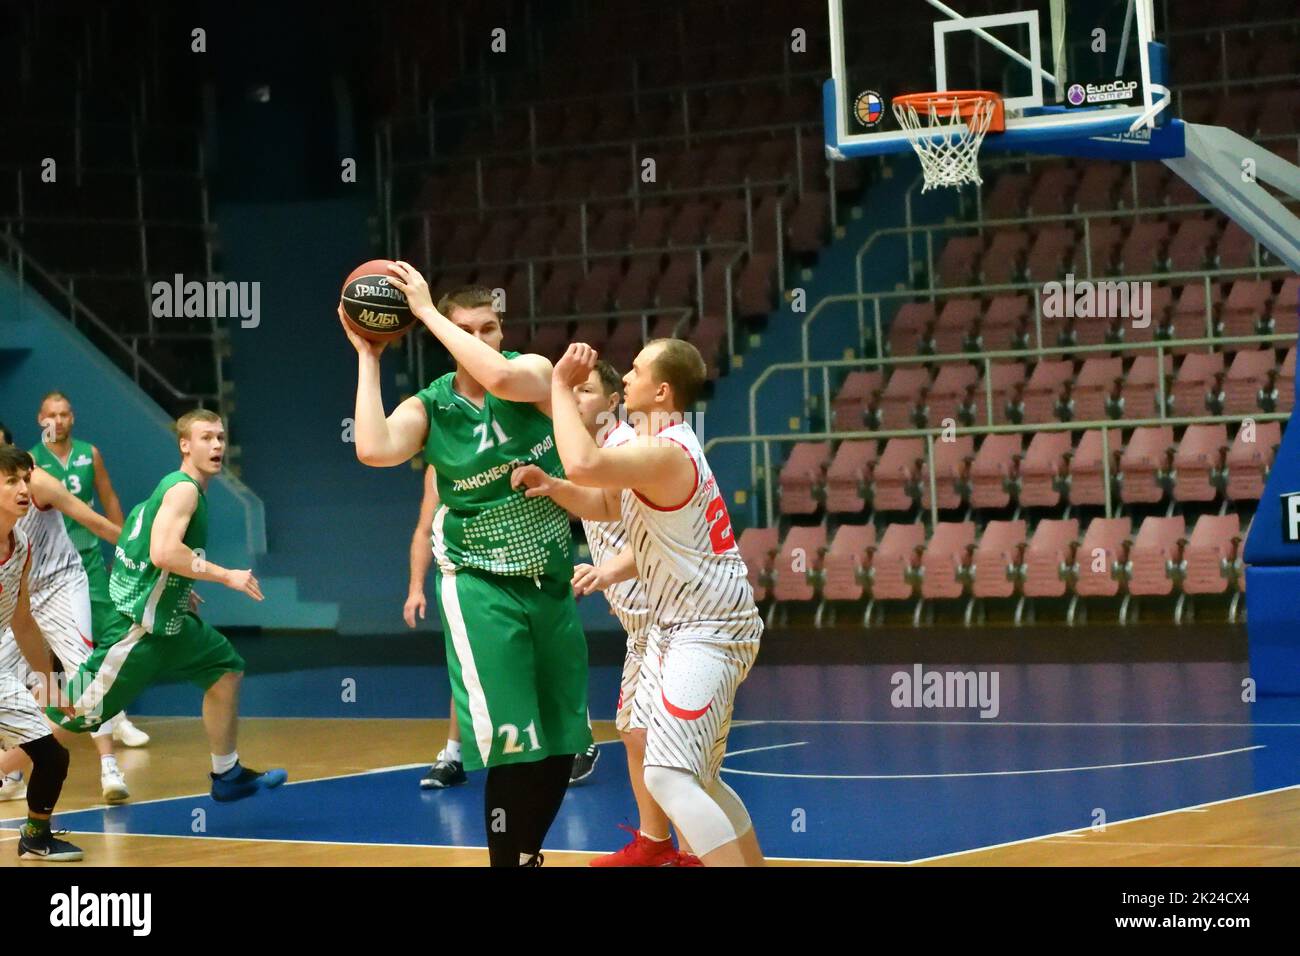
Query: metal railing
[[1035, 289], [1105, 426], [142, 371]]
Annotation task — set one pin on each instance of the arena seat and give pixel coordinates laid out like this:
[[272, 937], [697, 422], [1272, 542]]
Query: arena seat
[[758, 549], [1048, 557], [1157, 549], [856, 399], [952, 461], [1200, 457], [1145, 464], [1042, 465], [847, 562], [896, 563], [1211, 560], [945, 565], [802, 549], [994, 472], [998, 559], [849, 476], [1248, 462], [896, 473], [1100, 556], [1086, 474], [803, 476], [1247, 376]]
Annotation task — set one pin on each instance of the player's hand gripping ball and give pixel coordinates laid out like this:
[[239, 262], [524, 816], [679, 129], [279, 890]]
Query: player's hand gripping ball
[[373, 305]]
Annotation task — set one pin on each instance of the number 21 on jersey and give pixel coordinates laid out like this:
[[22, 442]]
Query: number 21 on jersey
[[485, 440], [721, 536]]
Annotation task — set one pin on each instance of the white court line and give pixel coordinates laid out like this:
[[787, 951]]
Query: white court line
[[1112, 823], [208, 793], [754, 750], [986, 773]]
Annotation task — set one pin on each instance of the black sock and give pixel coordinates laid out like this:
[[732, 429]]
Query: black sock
[[520, 802]]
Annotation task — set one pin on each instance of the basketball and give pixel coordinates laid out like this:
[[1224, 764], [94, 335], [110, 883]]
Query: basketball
[[375, 308]]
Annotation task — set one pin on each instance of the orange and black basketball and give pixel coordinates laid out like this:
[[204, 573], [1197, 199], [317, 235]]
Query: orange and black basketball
[[375, 308]]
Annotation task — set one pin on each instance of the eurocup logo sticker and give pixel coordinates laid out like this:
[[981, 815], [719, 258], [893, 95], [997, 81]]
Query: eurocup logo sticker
[[1075, 94]]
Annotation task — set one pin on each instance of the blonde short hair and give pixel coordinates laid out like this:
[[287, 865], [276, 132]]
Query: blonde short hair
[[190, 419], [680, 364]]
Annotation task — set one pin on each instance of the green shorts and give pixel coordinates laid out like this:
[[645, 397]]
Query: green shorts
[[127, 659], [517, 658], [102, 611]]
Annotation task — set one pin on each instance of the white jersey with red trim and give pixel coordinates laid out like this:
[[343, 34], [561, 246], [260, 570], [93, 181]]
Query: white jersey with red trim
[[52, 548], [11, 575], [687, 556], [606, 539]]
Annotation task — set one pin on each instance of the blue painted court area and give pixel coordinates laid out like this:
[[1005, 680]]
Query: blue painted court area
[[830, 769]]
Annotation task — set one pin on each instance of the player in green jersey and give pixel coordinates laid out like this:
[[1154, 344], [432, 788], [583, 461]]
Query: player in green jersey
[[156, 636], [80, 466], [516, 652]]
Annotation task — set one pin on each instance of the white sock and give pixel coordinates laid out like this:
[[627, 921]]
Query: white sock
[[222, 765], [107, 762], [14, 775], [653, 839], [451, 752]]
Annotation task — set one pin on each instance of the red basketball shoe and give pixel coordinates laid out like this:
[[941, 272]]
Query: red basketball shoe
[[640, 852]]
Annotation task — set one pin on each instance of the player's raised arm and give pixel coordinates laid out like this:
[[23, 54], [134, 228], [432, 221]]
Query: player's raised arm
[[659, 470], [421, 550], [524, 379], [382, 440], [48, 492], [104, 490], [169, 552]]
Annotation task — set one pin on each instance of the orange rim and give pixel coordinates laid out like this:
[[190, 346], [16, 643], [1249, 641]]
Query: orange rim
[[963, 102]]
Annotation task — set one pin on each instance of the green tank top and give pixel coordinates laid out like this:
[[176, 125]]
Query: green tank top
[[482, 522], [155, 599], [78, 476]]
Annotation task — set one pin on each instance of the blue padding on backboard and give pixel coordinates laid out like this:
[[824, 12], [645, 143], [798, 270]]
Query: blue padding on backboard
[[1266, 544], [1272, 613], [828, 113]]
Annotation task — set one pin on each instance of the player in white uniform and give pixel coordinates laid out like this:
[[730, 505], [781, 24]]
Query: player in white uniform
[[613, 571], [22, 724], [60, 603], [706, 624]]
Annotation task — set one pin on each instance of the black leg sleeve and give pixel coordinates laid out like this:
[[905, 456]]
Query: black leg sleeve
[[49, 770]]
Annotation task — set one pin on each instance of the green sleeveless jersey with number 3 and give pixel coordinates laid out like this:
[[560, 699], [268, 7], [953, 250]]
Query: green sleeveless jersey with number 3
[[155, 599], [482, 522], [78, 476]]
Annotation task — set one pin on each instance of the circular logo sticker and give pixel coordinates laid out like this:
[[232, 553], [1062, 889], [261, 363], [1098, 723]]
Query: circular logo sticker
[[869, 108], [1075, 95]]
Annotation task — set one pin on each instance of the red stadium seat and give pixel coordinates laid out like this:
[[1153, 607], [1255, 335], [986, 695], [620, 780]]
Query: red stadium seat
[[1197, 378], [1049, 556], [1105, 545], [945, 565], [1212, 558], [849, 476], [1042, 465], [957, 322], [1049, 253], [1098, 384], [952, 460], [1003, 327], [903, 393], [956, 265], [1246, 378], [1249, 462], [910, 328], [846, 565], [803, 476], [897, 561], [1198, 461], [896, 473], [1087, 473], [1145, 464], [856, 397], [1007, 379], [952, 390], [1156, 549], [758, 548], [1053, 194], [799, 564], [998, 559], [1140, 395], [994, 471], [1044, 389]]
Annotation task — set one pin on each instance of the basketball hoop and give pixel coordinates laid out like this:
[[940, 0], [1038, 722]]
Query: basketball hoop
[[946, 129]]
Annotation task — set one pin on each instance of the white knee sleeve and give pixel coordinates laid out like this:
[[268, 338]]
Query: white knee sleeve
[[695, 814], [730, 803]]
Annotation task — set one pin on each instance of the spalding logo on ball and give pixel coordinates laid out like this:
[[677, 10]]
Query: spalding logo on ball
[[375, 308]]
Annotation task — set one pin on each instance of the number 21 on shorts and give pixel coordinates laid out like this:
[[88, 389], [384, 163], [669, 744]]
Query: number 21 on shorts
[[511, 733]]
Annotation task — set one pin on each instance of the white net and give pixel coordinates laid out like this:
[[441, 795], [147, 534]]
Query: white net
[[947, 143]]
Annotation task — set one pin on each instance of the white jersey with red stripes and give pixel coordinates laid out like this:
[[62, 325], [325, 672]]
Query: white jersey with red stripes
[[11, 575], [607, 539], [52, 548], [686, 556]]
